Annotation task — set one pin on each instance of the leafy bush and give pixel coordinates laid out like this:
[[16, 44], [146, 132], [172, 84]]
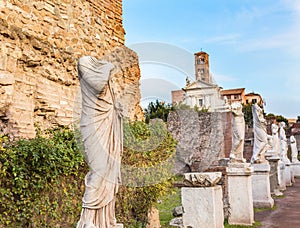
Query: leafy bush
[[147, 170], [42, 179], [157, 109]]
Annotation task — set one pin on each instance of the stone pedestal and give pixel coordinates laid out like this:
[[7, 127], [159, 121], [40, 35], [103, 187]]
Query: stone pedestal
[[296, 169], [240, 194], [292, 174], [288, 175], [203, 207], [261, 186], [119, 225], [274, 183], [281, 176]]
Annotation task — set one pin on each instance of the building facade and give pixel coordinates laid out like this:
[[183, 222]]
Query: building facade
[[234, 95], [201, 93], [254, 98]]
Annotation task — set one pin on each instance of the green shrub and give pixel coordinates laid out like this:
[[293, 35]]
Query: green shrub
[[147, 170], [42, 179]]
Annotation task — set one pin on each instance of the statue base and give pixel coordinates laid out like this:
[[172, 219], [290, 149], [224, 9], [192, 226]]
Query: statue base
[[240, 194], [281, 176], [261, 186], [274, 183], [296, 169], [288, 175], [203, 206], [119, 225]]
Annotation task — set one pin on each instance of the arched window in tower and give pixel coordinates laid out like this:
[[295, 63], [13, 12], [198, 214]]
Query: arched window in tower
[[200, 60]]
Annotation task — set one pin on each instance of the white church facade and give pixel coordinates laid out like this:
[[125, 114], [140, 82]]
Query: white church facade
[[203, 92]]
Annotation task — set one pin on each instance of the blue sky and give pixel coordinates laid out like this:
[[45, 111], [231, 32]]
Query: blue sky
[[253, 44]]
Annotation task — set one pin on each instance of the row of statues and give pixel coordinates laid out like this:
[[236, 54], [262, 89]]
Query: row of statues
[[276, 143], [102, 137]]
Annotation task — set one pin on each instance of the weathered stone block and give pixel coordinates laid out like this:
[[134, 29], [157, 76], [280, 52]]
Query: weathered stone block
[[281, 176], [203, 207], [274, 184], [261, 186], [6, 79], [288, 175], [296, 169], [240, 194], [207, 179]]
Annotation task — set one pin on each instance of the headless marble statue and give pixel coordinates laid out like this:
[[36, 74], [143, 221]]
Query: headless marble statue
[[238, 133], [283, 143], [260, 135], [275, 138], [294, 149], [101, 130]]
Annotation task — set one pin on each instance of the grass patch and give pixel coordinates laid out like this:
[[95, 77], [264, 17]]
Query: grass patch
[[278, 197], [255, 225], [265, 209], [166, 206]]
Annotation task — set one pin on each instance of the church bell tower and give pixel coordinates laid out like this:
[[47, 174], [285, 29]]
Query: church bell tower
[[202, 66]]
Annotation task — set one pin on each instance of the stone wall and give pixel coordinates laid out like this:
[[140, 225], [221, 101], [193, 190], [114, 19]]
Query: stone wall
[[201, 139], [40, 43], [248, 144]]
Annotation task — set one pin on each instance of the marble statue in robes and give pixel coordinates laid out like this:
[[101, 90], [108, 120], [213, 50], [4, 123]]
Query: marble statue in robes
[[260, 135], [275, 138], [101, 130], [294, 149], [283, 143], [238, 133]]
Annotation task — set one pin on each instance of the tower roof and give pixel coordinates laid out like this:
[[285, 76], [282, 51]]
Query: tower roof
[[200, 53]]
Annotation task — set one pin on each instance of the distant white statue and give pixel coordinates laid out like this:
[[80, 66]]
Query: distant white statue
[[275, 138], [238, 133], [260, 135], [283, 143], [294, 149]]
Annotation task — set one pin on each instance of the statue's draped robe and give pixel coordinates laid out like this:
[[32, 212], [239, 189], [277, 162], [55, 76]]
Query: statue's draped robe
[[283, 145], [101, 130], [276, 142], [294, 149], [238, 135], [260, 135]]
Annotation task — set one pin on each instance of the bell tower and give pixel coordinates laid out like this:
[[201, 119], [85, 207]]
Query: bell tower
[[202, 66]]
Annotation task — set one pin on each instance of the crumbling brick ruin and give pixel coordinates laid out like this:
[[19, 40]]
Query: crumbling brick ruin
[[40, 43]]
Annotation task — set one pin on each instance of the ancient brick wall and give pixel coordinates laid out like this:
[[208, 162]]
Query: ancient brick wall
[[40, 43], [201, 139]]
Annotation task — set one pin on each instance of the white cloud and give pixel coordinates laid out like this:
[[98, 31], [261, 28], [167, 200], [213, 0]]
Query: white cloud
[[226, 38]]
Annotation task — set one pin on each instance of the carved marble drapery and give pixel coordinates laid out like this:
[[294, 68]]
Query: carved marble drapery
[[101, 130]]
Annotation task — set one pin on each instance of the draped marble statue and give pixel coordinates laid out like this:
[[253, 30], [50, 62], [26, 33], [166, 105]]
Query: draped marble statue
[[101, 130], [238, 133], [275, 138], [294, 149], [260, 135], [283, 143]]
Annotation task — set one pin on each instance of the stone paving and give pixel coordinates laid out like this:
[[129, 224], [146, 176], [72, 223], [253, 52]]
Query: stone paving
[[287, 213]]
